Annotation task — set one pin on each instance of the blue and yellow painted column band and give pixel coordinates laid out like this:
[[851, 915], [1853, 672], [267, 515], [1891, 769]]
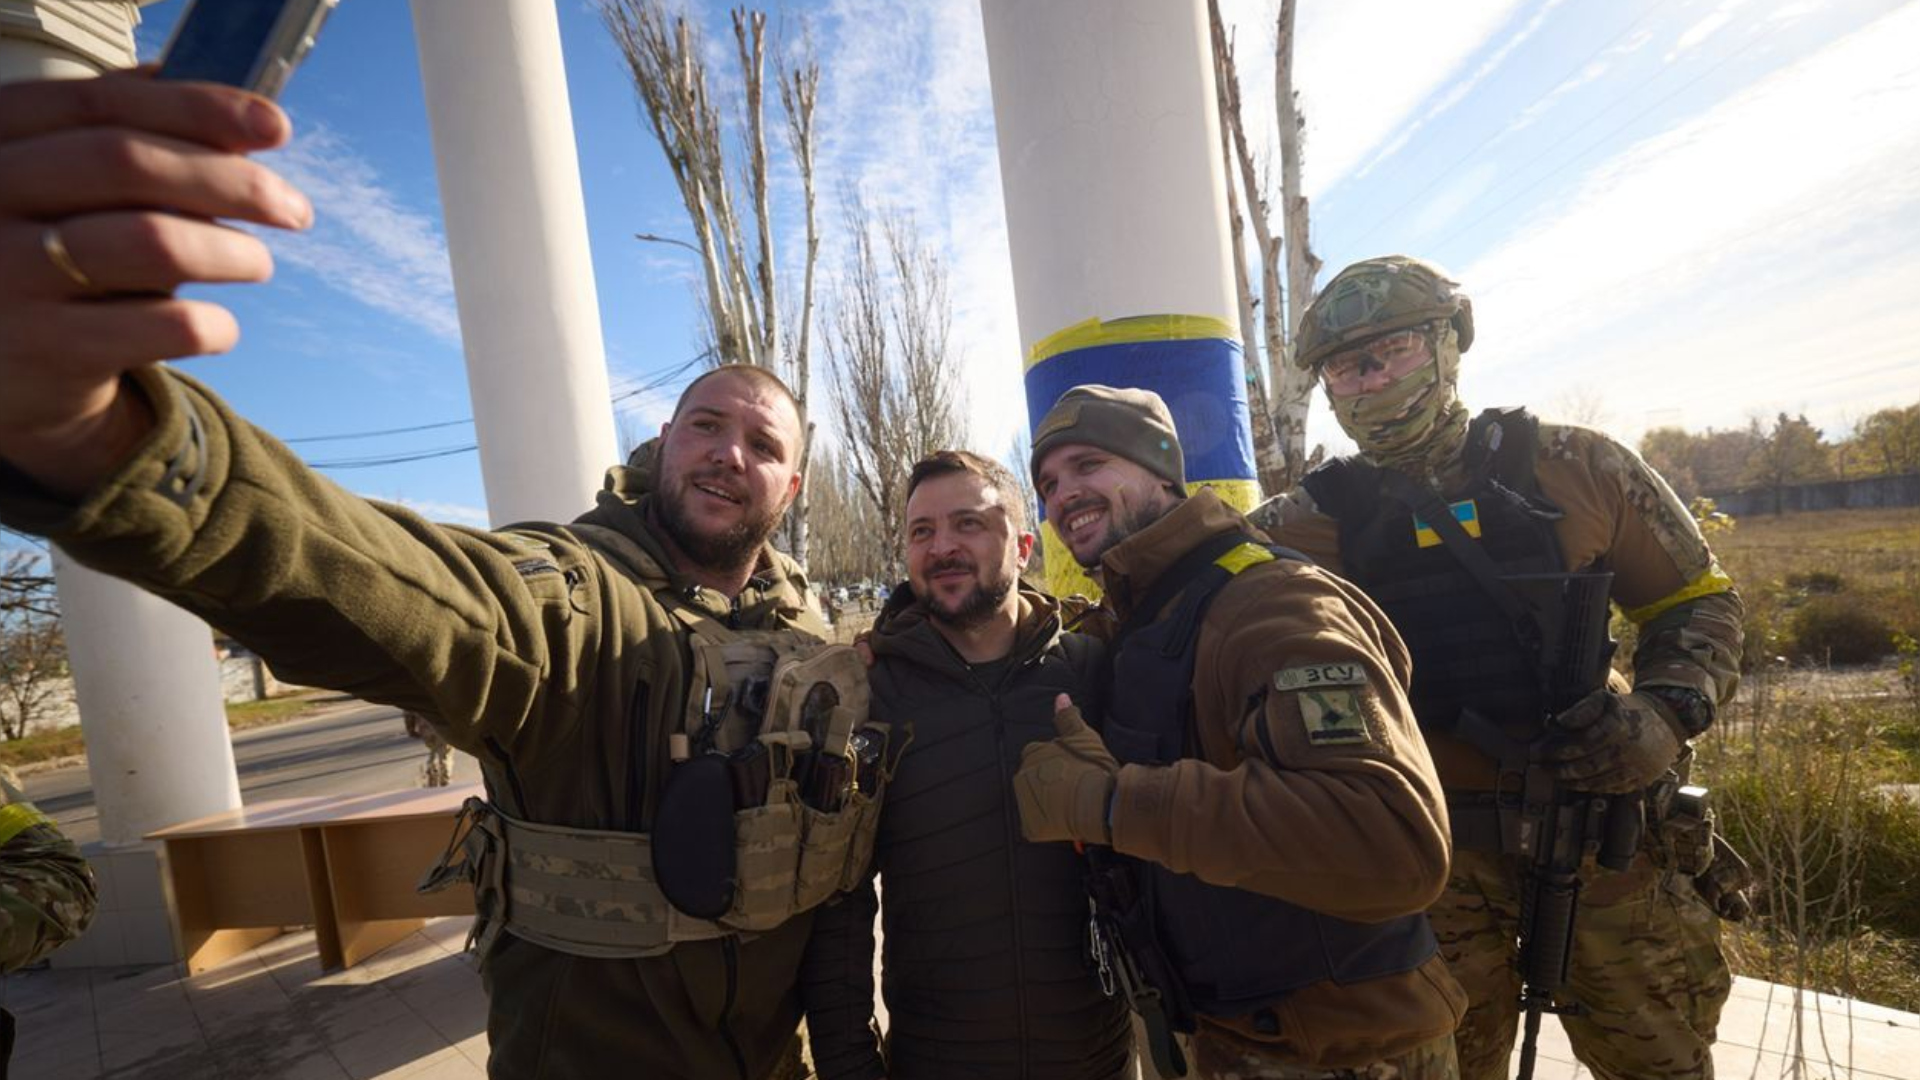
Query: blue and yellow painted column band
[[1193, 362]]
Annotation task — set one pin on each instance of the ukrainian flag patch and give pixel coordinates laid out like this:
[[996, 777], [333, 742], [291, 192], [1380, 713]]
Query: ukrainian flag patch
[[1466, 512]]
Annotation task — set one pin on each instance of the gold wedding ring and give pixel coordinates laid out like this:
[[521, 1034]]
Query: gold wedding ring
[[58, 254]]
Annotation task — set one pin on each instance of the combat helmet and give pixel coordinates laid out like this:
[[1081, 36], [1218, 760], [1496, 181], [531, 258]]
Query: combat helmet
[[1379, 296]]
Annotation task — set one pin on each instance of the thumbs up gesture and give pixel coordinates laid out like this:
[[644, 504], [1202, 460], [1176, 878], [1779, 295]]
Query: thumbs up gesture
[[1064, 785]]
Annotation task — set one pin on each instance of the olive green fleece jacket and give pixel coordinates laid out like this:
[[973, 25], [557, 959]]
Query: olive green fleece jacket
[[544, 650]]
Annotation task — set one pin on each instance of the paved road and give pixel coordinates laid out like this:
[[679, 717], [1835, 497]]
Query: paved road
[[348, 748]]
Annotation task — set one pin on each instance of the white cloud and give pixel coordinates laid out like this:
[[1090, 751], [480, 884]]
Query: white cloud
[[448, 512], [1457, 91], [1697, 34], [1589, 73], [1760, 256], [906, 119], [1358, 86], [365, 242]]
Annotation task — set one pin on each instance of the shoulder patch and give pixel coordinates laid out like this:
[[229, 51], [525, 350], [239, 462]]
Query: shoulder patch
[[1332, 717], [1314, 676]]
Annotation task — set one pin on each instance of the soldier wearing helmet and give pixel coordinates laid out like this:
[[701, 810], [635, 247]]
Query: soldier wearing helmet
[[1476, 535]]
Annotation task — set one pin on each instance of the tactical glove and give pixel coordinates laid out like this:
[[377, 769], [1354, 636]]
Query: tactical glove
[[1610, 743], [1064, 785]]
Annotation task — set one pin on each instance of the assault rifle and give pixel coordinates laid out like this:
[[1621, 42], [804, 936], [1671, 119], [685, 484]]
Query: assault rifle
[[1558, 827], [1570, 826], [1562, 620]]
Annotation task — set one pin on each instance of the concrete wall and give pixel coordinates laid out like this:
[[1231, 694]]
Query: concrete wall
[[1874, 492]]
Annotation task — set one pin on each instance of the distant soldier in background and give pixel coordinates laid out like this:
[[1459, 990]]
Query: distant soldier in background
[[1443, 518], [439, 766], [47, 892]]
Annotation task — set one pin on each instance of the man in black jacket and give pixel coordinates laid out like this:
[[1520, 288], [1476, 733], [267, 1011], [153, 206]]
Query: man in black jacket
[[985, 969]]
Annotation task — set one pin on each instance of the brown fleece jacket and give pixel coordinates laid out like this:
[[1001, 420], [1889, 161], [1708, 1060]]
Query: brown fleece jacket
[[1356, 829]]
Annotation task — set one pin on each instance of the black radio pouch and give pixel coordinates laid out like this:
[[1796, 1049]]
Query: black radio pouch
[[693, 837]]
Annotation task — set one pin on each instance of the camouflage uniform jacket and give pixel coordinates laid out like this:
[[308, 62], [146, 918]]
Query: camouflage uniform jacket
[[1619, 516], [543, 650], [1354, 827], [47, 892]]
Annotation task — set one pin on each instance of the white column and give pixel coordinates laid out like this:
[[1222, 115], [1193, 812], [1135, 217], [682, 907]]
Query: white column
[[1117, 220], [148, 686], [65, 39], [516, 231], [1109, 160]]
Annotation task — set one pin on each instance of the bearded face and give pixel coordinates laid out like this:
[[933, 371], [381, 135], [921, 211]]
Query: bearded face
[[1096, 498], [964, 555], [729, 467]]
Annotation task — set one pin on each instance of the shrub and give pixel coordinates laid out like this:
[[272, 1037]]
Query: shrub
[[1817, 582], [1837, 630], [1806, 792]]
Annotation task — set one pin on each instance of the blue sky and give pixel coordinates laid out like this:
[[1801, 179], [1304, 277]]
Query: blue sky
[[1667, 212]]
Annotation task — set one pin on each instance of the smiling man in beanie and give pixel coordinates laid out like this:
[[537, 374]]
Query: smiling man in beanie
[[1264, 822]]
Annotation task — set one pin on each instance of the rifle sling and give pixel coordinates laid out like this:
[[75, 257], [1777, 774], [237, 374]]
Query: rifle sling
[[1477, 563]]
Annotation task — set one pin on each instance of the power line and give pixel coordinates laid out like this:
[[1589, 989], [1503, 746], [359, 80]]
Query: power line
[[383, 431], [1451, 170], [393, 459], [1597, 143], [653, 381]]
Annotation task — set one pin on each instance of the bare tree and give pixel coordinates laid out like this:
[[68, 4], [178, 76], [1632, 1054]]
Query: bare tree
[[1582, 403], [1284, 460], [849, 545], [33, 652], [666, 57], [888, 339], [1269, 456], [1019, 460]]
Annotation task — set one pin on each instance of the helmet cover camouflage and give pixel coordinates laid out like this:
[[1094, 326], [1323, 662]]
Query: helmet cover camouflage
[[1379, 296]]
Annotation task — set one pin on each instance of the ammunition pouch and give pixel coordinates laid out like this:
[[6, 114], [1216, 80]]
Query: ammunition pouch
[[1725, 882], [771, 807], [778, 762], [1689, 844]]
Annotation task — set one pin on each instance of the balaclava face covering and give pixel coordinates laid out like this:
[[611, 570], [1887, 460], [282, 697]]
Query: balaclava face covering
[[1419, 424]]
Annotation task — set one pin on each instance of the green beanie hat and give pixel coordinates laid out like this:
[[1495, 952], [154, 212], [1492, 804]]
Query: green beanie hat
[[1131, 423]]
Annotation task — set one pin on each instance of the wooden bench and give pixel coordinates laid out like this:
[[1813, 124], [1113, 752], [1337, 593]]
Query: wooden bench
[[346, 866]]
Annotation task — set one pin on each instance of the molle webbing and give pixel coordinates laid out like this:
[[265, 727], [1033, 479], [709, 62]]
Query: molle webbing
[[586, 892], [1467, 650]]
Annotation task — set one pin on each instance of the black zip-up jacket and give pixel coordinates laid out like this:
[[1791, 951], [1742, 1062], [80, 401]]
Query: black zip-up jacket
[[985, 969]]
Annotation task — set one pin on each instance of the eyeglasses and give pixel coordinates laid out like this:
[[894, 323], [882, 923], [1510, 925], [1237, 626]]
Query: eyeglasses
[[1346, 372]]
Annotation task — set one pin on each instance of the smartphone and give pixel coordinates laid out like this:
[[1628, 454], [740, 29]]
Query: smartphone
[[252, 44]]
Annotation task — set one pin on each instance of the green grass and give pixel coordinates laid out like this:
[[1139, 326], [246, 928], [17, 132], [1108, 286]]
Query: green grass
[[1813, 582], [250, 714], [1804, 786], [43, 746]]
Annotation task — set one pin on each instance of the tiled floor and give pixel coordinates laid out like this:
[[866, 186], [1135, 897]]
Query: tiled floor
[[416, 1012]]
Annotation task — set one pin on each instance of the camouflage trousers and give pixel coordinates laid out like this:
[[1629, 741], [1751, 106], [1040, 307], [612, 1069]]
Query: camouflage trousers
[[1227, 1059], [1219, 1059], [1647, 969]]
